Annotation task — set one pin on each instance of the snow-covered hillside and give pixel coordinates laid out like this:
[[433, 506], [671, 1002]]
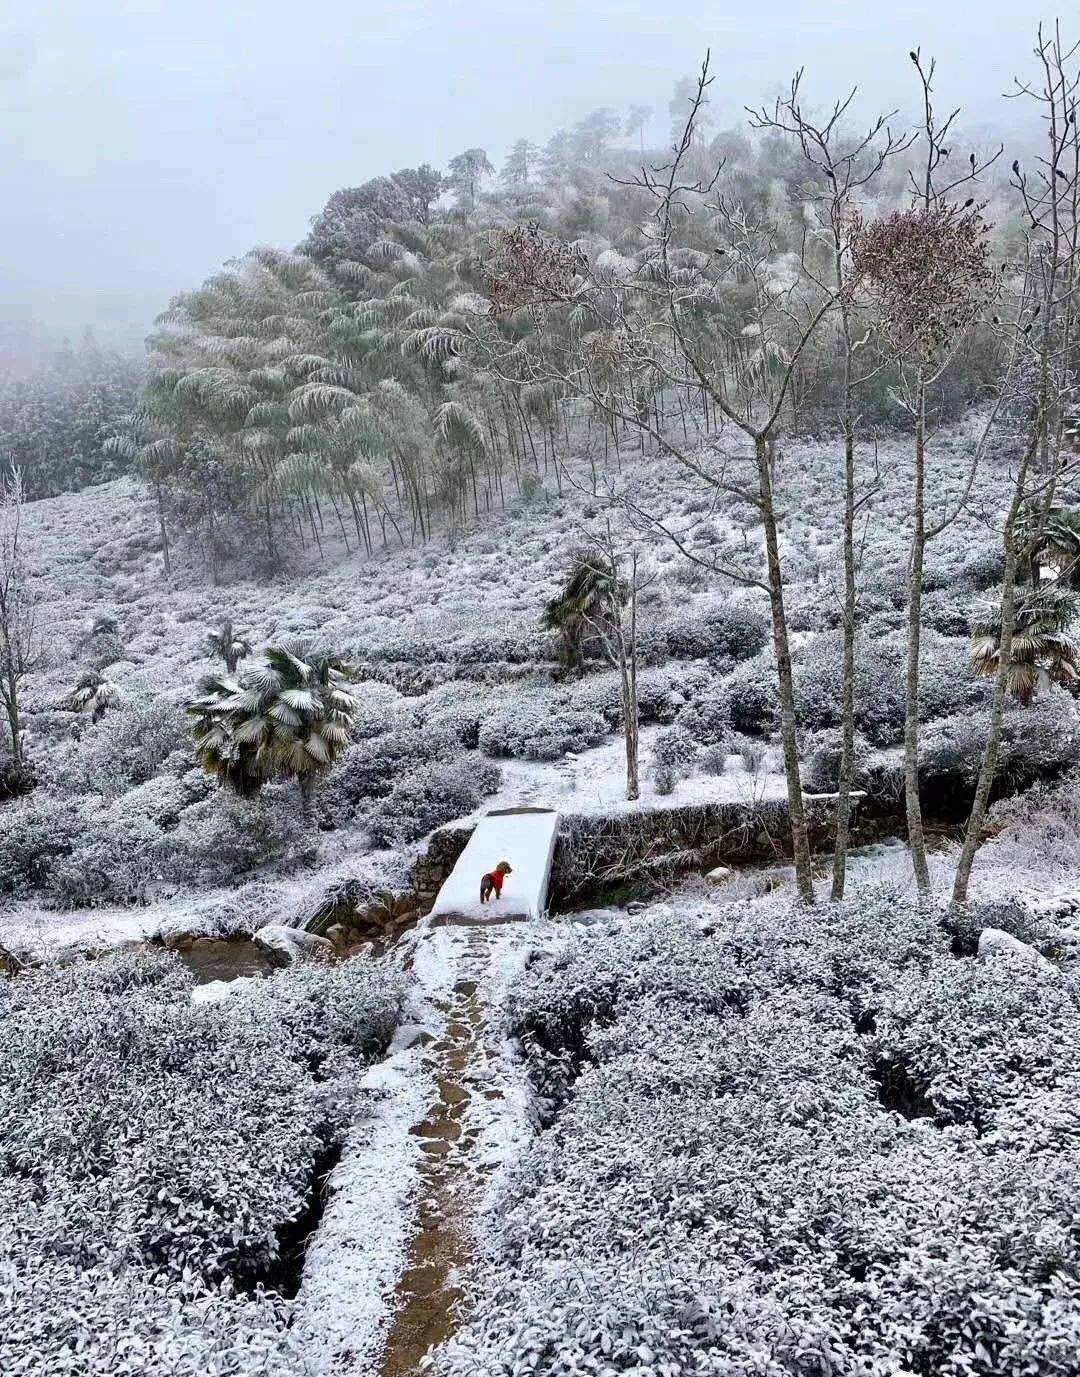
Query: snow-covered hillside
[[410, 1143]]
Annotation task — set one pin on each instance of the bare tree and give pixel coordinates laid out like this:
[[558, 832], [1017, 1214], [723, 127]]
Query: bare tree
[[845, 168], [1042, 330], [617, 634], [623, 338], [926, 271], [21, 645]]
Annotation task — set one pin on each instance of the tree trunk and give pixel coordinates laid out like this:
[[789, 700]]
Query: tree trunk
[[630, 721], [992, 751], [14, 727], [628, 669], [164, 530], [800, 841], [847, 749], [913, 804]]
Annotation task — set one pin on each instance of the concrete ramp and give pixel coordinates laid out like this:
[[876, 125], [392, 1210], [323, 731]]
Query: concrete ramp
[[525, 837]]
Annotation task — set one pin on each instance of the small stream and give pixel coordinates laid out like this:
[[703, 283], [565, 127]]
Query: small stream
[[225, 958]]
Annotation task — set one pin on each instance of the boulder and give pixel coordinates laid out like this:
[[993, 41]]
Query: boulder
[[178, 939], [286, 946], [994, 942], [719, 874]]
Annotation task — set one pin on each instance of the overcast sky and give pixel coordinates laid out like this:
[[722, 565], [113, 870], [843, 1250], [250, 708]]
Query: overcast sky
[[143, 142]]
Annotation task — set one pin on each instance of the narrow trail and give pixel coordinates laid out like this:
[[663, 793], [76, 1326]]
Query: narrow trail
[[428, 1298]]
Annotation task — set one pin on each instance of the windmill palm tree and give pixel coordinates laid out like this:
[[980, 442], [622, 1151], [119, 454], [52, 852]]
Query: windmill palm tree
[[1053, 537], [590, 592], [286, 717], [93, 694], [1044, 650], [228, 644]]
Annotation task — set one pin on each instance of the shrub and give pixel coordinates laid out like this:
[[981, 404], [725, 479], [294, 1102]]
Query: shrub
[[751, 696], [984, 569], [821, 763], [729, 631], [370, 769], [453, 711], [223, 838], [947, 684], [530, 728], [664, 780], [375, 707], [708, 718], [156, 1151], [661, 692], [819, 1133], [429, 798], [945, 613], [1037, 742], [39, 832], [674, 754], [128, 746]]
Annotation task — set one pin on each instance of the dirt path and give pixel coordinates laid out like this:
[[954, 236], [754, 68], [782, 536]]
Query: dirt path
[[428, 1297]]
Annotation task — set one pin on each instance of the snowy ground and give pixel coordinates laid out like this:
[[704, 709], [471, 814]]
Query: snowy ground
[[383, 1273], [594, 781]]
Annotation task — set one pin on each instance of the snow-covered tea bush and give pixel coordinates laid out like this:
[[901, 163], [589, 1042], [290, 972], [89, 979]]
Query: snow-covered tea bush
[[368, 770], [428, 798], [129, 745], [721, 630], [821, 767], [708, 717], [375, 707], [749, 693], [534, 728], [674, 753], [1037, 742], [157, 1150], [82, 851], [661, 691], [797, 1142]]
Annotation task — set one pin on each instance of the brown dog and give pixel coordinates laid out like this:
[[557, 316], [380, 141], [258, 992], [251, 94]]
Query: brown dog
[[492, 882]]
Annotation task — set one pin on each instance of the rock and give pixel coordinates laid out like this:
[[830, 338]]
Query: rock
[[201, 943], [178, 941], [996, 942], [409, 1035], [338, 934], [286, 946], [719, 874]]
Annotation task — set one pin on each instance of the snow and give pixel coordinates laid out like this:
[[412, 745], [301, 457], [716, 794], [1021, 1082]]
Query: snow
[[527, 841], [40, 935], [215, 991], [995, 943], [594, 781], [346, 1301], [355, 1259]]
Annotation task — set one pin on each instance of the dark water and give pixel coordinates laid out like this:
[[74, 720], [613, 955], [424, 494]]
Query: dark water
[[226, 958]]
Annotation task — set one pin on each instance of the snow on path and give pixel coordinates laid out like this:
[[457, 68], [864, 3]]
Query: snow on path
[[355, 1258], [382, 1280], [526, 839]]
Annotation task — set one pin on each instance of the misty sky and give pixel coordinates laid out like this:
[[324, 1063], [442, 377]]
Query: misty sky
[[143, 142]]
